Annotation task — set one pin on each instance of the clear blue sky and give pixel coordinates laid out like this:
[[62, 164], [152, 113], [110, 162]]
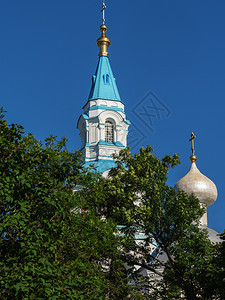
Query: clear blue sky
[[174, 49]]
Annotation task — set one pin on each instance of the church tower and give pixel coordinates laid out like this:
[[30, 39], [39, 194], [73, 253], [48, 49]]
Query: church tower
[[103, 125]]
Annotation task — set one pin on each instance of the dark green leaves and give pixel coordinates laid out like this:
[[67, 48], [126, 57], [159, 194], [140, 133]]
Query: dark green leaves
[[160, 230], [46, 250]]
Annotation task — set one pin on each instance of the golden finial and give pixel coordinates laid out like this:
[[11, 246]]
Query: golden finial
[[193, 157], [103, 42]]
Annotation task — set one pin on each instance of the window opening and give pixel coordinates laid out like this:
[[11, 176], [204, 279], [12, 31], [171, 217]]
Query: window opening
[[106, 79], [109, 132]]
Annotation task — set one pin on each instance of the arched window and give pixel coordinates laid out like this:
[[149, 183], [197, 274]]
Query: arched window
[[109, 131]]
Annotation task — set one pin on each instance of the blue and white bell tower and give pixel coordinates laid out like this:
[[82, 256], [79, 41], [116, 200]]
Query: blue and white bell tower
[[103, 125]]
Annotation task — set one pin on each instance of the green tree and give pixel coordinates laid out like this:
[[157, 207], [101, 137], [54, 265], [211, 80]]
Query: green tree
[[221, 269], [173, 247], [48, 249], [217, 276]]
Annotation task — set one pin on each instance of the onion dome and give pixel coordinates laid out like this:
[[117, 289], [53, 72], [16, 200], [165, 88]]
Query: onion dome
[[196, 183]]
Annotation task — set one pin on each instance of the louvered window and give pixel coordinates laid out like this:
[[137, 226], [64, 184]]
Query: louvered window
[[109, 131]]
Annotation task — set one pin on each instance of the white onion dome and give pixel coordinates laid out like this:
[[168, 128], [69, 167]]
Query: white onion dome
[[198, 184]]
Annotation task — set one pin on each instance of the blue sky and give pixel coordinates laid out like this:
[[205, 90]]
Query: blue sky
[[170, 53]]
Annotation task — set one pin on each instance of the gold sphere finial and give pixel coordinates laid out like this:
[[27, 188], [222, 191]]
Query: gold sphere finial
[[193, 157], [103, 42]]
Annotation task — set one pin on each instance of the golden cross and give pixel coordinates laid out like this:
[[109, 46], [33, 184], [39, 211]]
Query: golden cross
[[192, 142], [103, 12]]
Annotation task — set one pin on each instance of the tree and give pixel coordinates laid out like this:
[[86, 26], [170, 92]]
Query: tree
[[48, 249], [51, 249], [174, 248], [217, 276]]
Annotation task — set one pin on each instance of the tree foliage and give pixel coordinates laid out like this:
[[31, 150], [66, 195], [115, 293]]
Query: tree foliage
[[160, 232], [48, 249], [59, 244], [217, 276]]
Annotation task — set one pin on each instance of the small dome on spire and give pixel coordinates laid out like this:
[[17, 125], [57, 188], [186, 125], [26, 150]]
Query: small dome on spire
[[196, 183], [103, 42]]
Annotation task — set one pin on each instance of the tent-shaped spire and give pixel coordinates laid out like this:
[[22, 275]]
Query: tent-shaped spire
[[103, 82]]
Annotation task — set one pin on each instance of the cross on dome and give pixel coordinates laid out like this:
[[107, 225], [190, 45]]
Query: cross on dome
[[193, 157]]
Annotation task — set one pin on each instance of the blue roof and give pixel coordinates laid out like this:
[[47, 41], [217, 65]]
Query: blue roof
[[103, 82], [101, 165]]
